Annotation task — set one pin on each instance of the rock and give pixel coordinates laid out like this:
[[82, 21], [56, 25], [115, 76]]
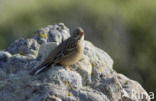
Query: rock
[[84, 67], [52, 33], [4, 57], [58, 33], [3, 74], [61, 76], [97, 56], [45, 49], [24, 47], [91, 95], [132, 89], [91, 79]]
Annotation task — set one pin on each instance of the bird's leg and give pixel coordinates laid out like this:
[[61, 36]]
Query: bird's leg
[[69, 67]]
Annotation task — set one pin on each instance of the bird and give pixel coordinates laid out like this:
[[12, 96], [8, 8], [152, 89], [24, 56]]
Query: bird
[[66, 53]]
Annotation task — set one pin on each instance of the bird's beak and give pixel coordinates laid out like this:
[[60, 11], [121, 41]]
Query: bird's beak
[[82, 33]]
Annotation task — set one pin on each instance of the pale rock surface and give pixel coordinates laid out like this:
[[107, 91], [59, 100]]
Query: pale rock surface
[[45, 49]]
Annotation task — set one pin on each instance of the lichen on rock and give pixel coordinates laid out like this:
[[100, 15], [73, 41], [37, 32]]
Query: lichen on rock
[[92, 78]]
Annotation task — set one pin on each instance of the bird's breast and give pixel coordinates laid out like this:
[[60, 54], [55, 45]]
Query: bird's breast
[[80, 46], [75, 57]]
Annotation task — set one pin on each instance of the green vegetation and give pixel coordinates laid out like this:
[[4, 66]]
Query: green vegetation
[[123, 28]]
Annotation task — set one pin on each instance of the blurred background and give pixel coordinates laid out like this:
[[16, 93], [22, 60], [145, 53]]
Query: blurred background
[[125, 29]]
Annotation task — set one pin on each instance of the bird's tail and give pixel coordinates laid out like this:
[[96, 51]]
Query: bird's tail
[[39, 69]]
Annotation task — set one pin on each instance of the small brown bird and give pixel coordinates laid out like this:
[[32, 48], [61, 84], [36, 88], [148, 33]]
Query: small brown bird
[[66, 54]]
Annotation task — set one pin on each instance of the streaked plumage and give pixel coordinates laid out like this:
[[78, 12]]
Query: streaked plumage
[[67, 53]]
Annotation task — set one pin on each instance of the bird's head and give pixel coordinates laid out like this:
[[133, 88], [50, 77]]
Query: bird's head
[[78, 33]]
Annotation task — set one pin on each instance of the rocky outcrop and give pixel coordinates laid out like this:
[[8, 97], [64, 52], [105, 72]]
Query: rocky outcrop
[[91, 79]]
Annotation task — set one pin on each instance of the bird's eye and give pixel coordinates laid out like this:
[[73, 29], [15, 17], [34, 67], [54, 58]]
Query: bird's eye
[[76, 34]]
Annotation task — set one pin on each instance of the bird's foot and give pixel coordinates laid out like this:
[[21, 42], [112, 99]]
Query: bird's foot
[[69, 68]]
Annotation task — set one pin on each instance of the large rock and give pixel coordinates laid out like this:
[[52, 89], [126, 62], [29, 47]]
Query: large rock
[[91, 79]]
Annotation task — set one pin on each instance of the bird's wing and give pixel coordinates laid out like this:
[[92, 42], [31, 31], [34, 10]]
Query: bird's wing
[[66, 49]]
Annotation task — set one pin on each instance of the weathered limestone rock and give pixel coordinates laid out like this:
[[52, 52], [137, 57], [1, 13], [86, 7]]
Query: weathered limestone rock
[[92, 78], [52, 33], [24, 47]]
